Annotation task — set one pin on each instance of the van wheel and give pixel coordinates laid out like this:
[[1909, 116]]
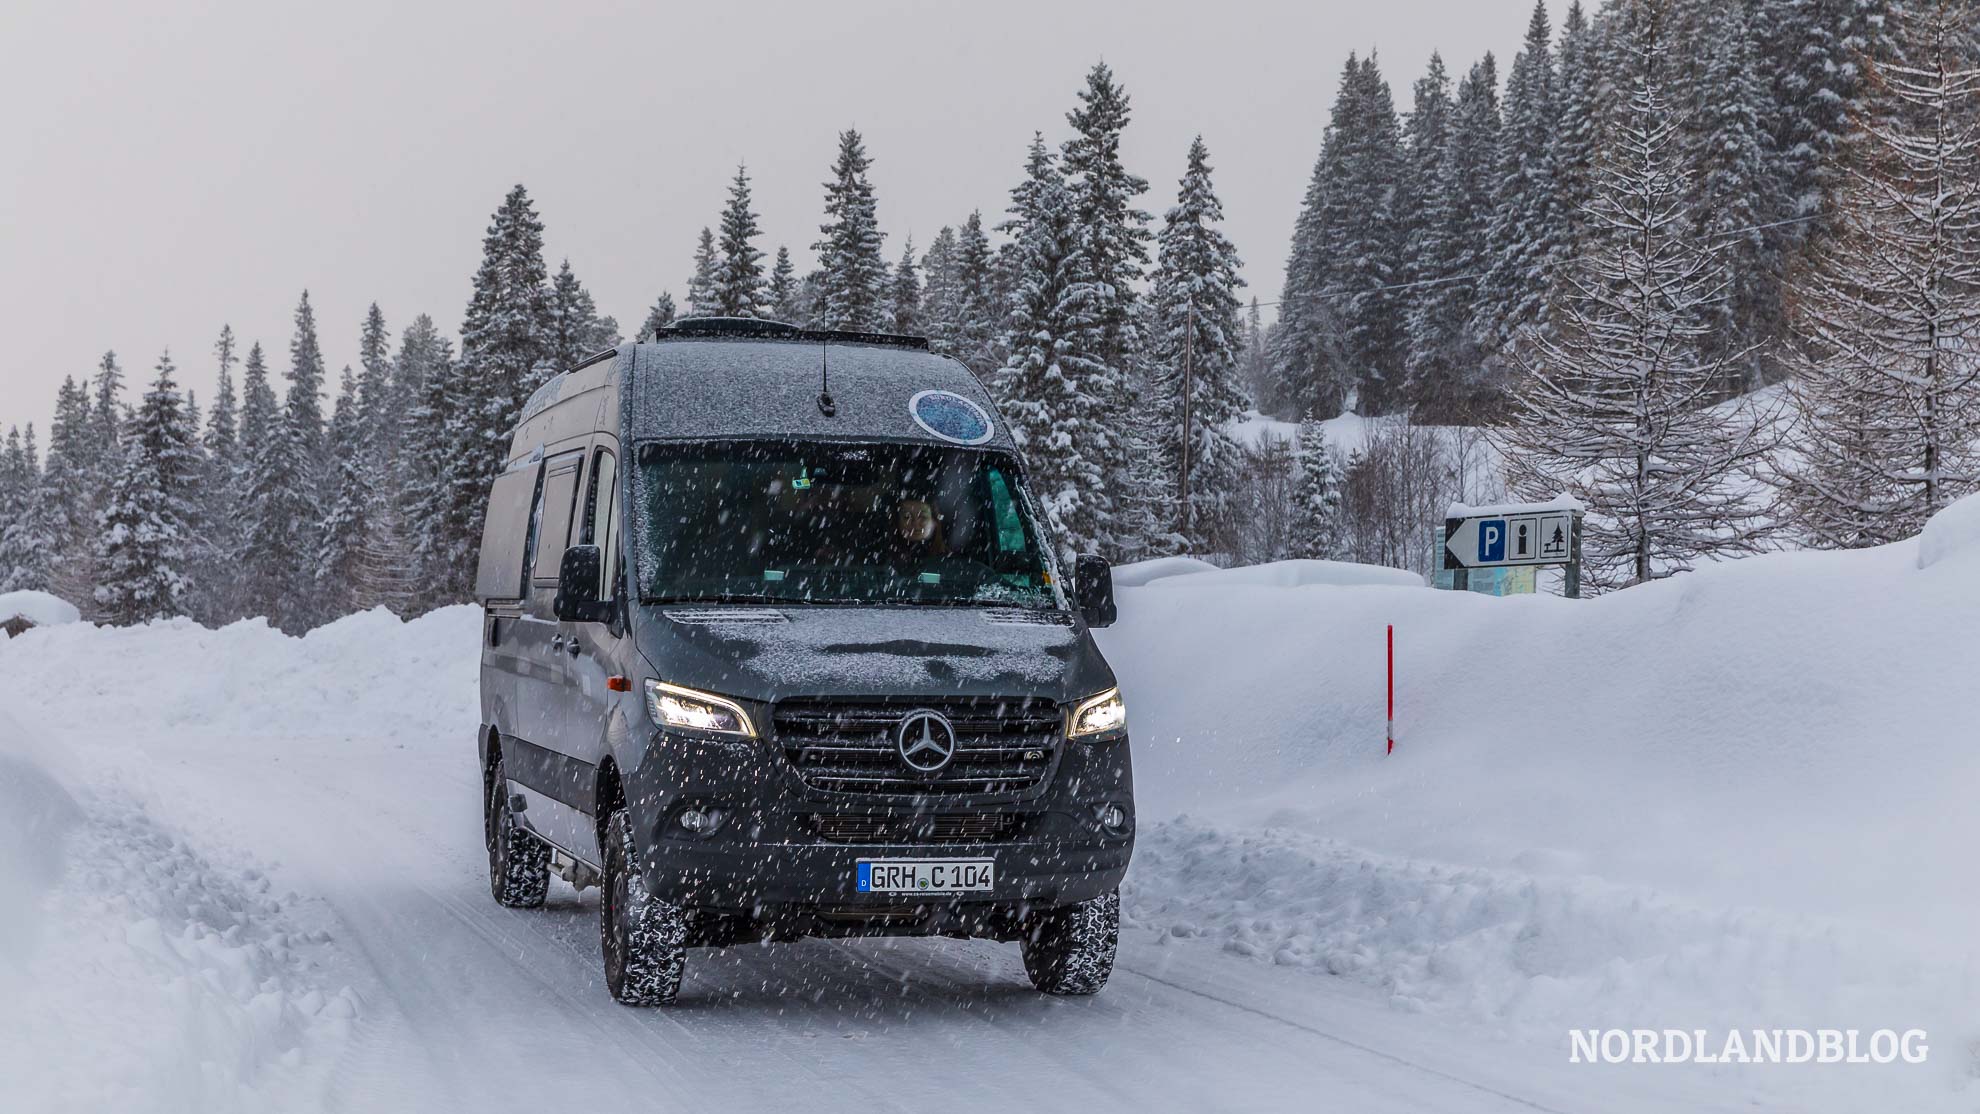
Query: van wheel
[[518, 862], [1071, 950], [644, 938]]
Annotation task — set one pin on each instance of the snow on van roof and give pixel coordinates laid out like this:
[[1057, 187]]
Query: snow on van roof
[[687, 387]]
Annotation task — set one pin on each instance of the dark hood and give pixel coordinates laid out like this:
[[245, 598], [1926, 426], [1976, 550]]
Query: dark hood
[[771, 653]]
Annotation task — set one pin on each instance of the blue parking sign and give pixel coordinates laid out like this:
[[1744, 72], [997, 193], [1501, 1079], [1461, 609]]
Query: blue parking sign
[[1492, 540]]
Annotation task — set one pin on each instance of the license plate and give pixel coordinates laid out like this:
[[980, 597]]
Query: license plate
[[926, 876]]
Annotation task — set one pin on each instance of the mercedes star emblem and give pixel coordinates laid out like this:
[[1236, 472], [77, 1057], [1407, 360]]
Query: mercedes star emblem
[[927, 741]]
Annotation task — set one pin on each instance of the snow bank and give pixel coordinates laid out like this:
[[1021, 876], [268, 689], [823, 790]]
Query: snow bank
[[1951, 533], [1137, 573], [39, 608], [1740, 794], [1294, 574], [138, 975]]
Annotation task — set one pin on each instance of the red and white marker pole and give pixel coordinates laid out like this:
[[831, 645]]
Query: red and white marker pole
[[1392, 689]]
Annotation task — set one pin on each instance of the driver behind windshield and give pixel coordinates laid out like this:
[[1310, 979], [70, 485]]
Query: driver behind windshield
[[917, 530]]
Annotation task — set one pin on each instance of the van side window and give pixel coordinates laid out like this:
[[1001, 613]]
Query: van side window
[[507, 537], [550, 525], [600, 528]]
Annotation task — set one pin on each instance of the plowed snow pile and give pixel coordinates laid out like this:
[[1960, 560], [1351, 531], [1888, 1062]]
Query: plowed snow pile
[[1742, 797]]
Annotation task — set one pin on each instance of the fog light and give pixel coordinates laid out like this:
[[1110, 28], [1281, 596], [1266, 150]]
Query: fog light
[[696, 821]]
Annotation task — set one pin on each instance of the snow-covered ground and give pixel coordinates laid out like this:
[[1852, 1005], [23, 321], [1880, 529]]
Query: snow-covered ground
[[244, 871]]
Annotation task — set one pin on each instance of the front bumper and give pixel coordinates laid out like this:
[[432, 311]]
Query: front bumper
[[763, 861]]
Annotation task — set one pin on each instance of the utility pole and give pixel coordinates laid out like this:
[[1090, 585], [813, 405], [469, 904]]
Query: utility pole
[[1189, 370]]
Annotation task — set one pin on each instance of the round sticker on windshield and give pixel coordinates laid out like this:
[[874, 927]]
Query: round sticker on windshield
[[951, 417]]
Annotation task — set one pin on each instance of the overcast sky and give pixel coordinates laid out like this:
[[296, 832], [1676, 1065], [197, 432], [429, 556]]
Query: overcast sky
[[166, 168]]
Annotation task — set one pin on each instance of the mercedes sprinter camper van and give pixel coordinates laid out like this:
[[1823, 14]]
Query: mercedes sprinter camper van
[[775, 645]]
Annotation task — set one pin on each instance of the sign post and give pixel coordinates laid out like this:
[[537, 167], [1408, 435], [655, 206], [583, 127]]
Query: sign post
[[1515, 535]]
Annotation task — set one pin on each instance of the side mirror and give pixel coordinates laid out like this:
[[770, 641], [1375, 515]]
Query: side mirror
[[577, 586], [1093, 590]]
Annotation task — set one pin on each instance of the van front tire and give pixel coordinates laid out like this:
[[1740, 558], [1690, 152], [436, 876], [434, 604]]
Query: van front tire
[[518, 862], [643, 937], [1071, 951]]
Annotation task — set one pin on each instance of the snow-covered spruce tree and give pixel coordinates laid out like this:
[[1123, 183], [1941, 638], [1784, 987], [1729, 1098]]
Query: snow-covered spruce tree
[[260, 409], [1584, 97], [1049, 416], [1146, 524], [937, 312], [303, 416], [853, 286], [378, 404], [71, 480], [261, 419], [980, 307], [107, 417], [1339, 323], [575, 328], [782, 292], [1812, 54], [220, 494], [1443, 365], [1888, 317], [1726, 154], [102, 457], [1255, 362], [1195, 329], [504, 358], [739, 288], [16, 485], [281, 514], [306, 377], [1426, 136], [701, 284], [429, 374], [1526, 233], [904, 295], [168, 433], [1103, 350], [659, 317], [139, 551], [30, 535], [340, 541], [1316, 520], [1614, 405], [145, 529]]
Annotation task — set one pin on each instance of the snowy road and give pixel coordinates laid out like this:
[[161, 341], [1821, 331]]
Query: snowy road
[[467, 1005]]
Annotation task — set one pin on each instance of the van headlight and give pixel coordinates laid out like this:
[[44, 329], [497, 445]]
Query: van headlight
[[676, 706], [1104, 714]]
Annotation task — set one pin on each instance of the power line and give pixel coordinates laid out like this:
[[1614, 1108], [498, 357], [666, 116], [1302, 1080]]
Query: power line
[[1329, 295]]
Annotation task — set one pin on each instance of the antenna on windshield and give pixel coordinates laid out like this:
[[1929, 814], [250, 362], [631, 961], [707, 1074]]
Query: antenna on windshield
[[825, 404]]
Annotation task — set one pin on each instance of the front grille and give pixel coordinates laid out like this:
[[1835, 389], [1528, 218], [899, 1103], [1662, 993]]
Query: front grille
[[847, 745], [973, 827]]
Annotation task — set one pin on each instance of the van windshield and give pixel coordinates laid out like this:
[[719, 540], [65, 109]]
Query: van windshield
[[794, 521]]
